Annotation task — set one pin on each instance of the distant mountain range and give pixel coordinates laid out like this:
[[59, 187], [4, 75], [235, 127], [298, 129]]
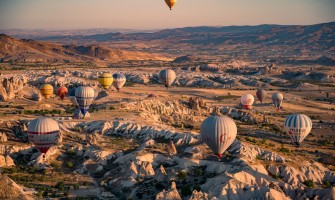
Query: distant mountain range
[[277, 43], [31, 51]]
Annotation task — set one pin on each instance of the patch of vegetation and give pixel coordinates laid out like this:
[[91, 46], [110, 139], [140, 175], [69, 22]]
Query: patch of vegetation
[[258, 157], [248, 139], [60, 186], [69, 164], [309, 183], [276, 176], [284, 150], [182, 174]]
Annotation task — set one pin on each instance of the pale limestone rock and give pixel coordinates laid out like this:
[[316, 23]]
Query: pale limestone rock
[[160, 174], [10, 190], [198, 195], [3, 137], [171, 194], [146, 170], [171, 148]]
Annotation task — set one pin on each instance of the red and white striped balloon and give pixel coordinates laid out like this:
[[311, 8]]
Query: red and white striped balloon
[[43, 133]]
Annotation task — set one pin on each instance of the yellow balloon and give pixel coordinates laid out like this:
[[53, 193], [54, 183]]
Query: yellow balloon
[[105, 80], [170, 3], [47, 90]]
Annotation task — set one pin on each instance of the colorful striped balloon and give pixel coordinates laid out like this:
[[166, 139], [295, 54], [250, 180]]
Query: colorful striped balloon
[[62, 92], [298, 126], [84, 96], [47, 90], [43, 133], [105, 80], [218, 132]]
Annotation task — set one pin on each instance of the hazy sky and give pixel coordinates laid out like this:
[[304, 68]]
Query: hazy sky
[[154, 14]]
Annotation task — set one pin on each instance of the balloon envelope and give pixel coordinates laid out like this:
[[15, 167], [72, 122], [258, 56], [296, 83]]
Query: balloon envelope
[[277, 99], [118, 80], [84, 96], [105, 80], [170, 3], [247, 100], [62, 92], [47, 90], [167, 77], [218, 132], [261, 95], [298, 126], [43, 133]]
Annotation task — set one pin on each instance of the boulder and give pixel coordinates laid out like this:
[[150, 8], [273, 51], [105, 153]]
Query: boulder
[[171, 194], [171, 148], [10, 190], [3, 137]]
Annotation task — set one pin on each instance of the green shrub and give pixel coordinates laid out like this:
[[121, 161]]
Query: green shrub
[[182, 174], [69, 164], [284, 150], [327, 184], [60, 186], [309, 183]]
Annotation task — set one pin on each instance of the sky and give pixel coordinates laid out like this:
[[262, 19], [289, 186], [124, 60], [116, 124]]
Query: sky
[[154, 14]]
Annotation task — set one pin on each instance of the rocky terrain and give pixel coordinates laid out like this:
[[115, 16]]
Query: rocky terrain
[[144, 142], [31, 51]]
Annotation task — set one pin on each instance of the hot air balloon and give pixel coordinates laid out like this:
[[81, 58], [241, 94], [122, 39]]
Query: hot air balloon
[[62, 92], [118, 80], [298, 126], [84, 97], [167, 77], [43, 133], [247, 100], [218, 132], [105, 80], [261, 95], [170, 3], [47, 90], [277, 99]]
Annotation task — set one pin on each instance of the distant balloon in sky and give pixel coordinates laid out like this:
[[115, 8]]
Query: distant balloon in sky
[[105, 80], [84, 96], [167, 77], [247, 100], [170, 3], [47, 90], [277, 99], [218, 132], [261, 95], [43, 133], [298, 126], [62, 92], [119, 81]]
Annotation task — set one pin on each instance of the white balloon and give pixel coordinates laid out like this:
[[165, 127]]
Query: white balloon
[[218, 132]]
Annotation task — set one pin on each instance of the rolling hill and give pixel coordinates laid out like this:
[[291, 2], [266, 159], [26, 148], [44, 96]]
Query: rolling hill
[[31, 51]]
